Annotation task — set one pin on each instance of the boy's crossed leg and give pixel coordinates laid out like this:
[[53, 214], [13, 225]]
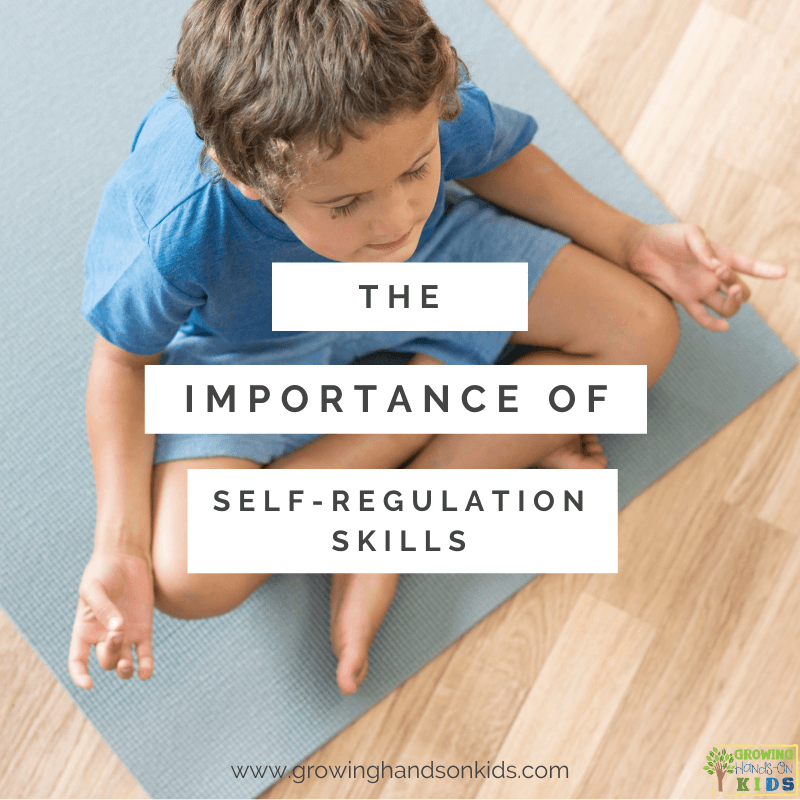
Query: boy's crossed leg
[[584, 310]]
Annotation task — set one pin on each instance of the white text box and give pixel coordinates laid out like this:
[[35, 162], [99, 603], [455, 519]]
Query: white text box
[[311, 296], [457, 521], [368, 398]]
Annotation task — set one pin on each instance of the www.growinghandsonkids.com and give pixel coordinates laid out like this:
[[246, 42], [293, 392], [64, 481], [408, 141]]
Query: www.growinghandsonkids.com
[[372, 773]]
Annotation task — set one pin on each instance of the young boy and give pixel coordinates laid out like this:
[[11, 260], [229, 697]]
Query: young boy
[[334, 124]]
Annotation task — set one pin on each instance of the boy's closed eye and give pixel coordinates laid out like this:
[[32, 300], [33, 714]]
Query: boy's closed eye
[[349, 208], [371, 201]]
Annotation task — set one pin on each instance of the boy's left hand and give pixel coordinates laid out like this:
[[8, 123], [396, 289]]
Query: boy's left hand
[[678, 259]]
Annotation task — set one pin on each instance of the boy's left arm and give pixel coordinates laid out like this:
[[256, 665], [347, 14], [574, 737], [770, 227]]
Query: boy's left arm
[[676, 258]]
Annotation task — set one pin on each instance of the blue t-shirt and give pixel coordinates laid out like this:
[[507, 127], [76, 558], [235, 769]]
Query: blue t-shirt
[[172, 251]]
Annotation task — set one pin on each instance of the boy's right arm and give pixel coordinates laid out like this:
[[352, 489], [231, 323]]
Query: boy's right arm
[[122, 453], [115, 608]]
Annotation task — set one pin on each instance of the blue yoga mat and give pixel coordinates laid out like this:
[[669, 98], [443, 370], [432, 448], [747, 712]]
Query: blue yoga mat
[[257, 685]]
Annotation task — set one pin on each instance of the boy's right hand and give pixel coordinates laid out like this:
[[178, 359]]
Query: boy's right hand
[[115, 611]]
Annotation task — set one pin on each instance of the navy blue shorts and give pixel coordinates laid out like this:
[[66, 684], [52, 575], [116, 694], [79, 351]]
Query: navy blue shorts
[[471, 230]]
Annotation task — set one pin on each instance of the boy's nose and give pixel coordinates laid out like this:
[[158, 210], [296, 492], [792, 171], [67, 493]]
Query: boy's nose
[[392, 220]]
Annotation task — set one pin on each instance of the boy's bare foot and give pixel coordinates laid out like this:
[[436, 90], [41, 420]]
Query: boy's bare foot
[[582, 452], [359, 603]]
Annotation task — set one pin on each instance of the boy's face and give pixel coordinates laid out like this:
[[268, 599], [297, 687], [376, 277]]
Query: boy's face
[[371, 201]]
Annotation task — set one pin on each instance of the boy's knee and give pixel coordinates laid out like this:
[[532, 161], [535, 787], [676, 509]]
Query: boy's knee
[[178, 593], [197, 596], [658, 330]]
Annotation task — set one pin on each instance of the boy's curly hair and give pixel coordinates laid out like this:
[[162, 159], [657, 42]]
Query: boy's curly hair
[[265, 78]]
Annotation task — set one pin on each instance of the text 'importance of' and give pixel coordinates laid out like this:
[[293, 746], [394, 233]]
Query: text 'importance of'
[[396, 399]]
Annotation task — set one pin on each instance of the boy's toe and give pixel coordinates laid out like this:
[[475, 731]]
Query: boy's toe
[[352, 670]]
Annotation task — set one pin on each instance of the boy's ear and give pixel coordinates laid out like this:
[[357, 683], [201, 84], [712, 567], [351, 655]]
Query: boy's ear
[[250, 194]]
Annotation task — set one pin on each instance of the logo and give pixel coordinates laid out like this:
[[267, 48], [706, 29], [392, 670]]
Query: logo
[[757, 771]]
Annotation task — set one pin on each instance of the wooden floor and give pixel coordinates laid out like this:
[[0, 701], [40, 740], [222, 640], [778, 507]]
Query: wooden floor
[[628, 679]]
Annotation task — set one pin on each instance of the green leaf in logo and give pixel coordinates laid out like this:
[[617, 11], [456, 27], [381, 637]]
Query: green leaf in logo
[[730, 772]]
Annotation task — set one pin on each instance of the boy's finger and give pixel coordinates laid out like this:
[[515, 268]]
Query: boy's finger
[[749, 266], [79, 652], [759, 269], [724, 306], [743, 288], [93, 593], [700, 247], [125, 663], [732, 282], [109, 650], [705, 320], [144, 655], [763, 269]]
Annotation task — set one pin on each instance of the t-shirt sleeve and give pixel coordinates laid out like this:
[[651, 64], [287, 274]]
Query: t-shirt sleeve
[[482, 136], [126, 298]]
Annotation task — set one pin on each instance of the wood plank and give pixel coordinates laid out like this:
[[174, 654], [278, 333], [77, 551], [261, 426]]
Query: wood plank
[[765, 14], [613, 83], [383, 729], [703, 628], [769, 15], [760, 701], [661, 533], [767, 140], [46, 742], [559, 32], [486, 683], [690, 107], [740, 8], [767, 474], [573, 700]]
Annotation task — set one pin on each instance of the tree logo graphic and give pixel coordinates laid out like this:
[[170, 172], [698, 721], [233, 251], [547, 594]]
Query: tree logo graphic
[[719, 761]]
